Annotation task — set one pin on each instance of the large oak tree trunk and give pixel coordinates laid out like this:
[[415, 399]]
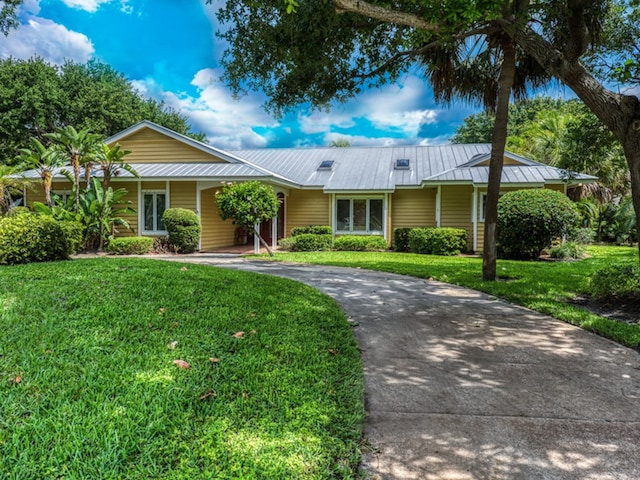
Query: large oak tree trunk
[[498, 143]]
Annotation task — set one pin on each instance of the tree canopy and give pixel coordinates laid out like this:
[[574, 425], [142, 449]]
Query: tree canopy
[[36, 97]]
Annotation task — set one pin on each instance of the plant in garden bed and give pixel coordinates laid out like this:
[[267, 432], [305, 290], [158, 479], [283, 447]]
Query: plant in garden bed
[[361, 243], [93, 388], [184, 229], [130, 245]]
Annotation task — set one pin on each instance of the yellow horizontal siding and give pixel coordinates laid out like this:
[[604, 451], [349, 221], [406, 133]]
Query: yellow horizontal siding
[[132, 195], [413, 208], [154, 185], [148, 146], [307, 207], [455, 208], [216, 233], [183, 195]]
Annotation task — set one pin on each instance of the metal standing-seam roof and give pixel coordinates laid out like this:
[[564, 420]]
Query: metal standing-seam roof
[[364, 169]]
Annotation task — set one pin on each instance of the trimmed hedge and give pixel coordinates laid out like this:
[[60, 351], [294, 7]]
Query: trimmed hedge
[[184, 229], [27, 238], [307, 242], [130, 245], [529, 221], [401, 239], [311, 229], [438, 241], [360, 243]]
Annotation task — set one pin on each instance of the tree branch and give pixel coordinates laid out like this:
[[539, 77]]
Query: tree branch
[[578, 31], [415, 52], [384, 14]]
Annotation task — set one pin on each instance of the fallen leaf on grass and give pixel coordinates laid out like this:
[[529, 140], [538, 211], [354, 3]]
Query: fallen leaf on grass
[[172, 345], [238, 334], [214, 359], [332, 351], [182, 364], [17, 379], [253, 332], [162, 310], [184, 269], [210, 393]]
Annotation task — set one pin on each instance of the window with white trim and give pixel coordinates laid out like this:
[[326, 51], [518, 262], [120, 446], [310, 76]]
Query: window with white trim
[[154, 204], [359, 215], [63, 195]]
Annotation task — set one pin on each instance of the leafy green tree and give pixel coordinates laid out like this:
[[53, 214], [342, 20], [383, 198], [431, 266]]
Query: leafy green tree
[[37, 97], [9, 15], [248, 204], [44, 160]]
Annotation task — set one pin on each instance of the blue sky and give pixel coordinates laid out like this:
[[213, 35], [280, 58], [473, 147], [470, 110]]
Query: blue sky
[[168, 50]]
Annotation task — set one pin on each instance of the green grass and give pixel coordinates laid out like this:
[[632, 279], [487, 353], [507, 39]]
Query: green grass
[[542, 286], [88, 387]]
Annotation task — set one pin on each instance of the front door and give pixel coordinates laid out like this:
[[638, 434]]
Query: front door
[[266, 228]]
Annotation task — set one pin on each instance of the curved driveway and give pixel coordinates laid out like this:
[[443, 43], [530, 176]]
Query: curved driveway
[[460, 385]]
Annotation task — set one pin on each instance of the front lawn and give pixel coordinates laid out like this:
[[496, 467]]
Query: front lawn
[[545, 286], [89, 387]]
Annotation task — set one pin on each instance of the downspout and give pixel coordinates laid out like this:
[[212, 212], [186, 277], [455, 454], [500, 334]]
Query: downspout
[[474, 217], [438, 204]]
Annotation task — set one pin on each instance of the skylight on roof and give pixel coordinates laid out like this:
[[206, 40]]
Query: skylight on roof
[[326, 165], [402, 164]]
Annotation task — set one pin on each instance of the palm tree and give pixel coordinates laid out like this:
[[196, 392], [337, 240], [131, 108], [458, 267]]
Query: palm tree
[[79, 148], [44, 160], [111, 163], [487, 69], [9, 180]]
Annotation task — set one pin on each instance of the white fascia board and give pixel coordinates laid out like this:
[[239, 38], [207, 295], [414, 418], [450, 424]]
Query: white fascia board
[[358, 192]]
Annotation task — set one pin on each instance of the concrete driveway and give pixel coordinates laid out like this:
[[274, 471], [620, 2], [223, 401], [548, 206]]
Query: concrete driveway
[[460, 385]]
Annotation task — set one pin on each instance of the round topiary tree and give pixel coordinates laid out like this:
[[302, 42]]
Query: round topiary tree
[[184, 229], [529, 221], [247, 204]]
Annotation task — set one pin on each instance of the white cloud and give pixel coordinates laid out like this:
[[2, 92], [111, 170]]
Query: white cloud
[[87, 5], [391, 108], [227, 123], [47, 39]]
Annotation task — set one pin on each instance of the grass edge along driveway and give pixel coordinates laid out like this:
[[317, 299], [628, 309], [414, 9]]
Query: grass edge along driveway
[[545, 286], [90, 386]]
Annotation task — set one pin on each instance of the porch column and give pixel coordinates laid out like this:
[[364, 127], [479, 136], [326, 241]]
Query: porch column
[[474, 218], [198, 210], [274, 232], [256, 240], [438, 203]]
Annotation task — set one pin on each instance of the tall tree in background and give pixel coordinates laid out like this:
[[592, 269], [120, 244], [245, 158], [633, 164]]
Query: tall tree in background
[[9, 15], [36, 97]]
